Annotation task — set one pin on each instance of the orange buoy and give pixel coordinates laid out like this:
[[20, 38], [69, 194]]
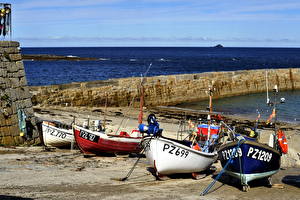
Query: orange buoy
[[197, 147], [282, 141]]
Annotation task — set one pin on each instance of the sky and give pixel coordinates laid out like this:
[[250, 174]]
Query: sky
[[199, 23]]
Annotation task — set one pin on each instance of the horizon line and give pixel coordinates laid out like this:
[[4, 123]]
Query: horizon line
[[283, 47]]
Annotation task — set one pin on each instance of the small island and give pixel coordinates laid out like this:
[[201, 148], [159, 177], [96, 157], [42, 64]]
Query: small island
[[219, 46]]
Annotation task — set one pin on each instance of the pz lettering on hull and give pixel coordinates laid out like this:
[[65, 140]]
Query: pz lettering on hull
[[234, 153], [174, 150], [259, 154]]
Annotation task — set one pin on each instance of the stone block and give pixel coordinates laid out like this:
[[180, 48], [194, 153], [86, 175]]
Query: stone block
[[9, 44], [30, 112], [8, 140], [10, 50], [12, 67], [14, 119], [14, 82], [2, 81], [2, 120], [21, 74], [2, 66], [3, 73], [11, 94], [27, 93], [15, 131], [5, 131], [20, 65], [4, 57], [26, 103], [14, 107], [15, 57]]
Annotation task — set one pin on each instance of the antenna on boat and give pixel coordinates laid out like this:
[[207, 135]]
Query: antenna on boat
[[267, 86]]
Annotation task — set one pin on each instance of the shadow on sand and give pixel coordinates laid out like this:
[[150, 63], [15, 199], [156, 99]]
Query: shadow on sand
[[201, 175], [233, 182], [292, 180], [5, 197]]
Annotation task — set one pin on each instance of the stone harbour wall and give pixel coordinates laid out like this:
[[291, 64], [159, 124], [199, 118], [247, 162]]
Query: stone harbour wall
[[14, 97], [165, 90]]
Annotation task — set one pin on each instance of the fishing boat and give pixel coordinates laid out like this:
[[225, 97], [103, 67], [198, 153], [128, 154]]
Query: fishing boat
[[56, 134], [98, 142], [247, 159], [169, 156]]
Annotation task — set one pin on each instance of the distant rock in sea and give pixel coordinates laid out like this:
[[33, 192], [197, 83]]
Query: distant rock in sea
[[53, 57], [219, 46]]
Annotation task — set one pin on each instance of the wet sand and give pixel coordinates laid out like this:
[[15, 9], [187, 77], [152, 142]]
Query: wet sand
[[39, 173]]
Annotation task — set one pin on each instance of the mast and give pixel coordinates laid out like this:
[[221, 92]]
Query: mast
[[140, 118], [210, 111], [267, 86], [142, 90], [275, 117], [105, 110], [210, 100]]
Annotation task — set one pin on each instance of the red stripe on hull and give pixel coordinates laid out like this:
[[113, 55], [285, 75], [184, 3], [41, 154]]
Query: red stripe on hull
[[106, 146]]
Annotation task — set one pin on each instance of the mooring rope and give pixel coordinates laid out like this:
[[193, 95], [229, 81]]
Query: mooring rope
[[206, 190]]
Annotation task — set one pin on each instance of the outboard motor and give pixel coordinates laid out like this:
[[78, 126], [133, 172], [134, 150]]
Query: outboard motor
[[152, 128]]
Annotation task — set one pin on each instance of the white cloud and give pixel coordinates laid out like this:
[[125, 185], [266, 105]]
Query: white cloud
[[169, 39]]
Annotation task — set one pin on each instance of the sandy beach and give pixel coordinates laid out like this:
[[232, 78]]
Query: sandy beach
[[38, 173]]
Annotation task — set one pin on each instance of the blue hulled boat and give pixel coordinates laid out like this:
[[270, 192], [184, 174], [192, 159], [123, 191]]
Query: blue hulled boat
[[249, 160]]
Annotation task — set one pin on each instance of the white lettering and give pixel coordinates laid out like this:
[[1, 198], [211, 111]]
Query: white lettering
[[254, 155], [250, 151]]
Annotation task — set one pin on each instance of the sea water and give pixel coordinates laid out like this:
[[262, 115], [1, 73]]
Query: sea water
[[251, 105], [120, 62]]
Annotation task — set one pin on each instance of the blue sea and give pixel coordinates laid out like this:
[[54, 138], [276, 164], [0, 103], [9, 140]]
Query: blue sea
[[251, 105], [120, 62]]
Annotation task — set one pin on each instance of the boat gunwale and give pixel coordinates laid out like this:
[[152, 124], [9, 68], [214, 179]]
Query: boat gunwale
[[67, 131], [262, 145], [110, 137], [174, 141]]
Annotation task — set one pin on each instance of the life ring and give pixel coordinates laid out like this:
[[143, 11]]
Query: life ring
[[283, 145]]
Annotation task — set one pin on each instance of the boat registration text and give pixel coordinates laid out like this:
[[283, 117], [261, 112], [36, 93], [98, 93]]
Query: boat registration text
[[171, 149], [89, 136], [254, 153], [56, 133]]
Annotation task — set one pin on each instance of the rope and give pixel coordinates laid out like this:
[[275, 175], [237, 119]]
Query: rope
[[206, 190], [128, 109], [136, 162]]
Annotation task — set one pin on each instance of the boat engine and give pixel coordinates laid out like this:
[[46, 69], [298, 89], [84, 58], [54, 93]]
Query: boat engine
[[152, 128]]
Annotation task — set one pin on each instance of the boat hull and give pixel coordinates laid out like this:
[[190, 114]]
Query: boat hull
[[169, 156], [56, 137], [94, 142], [251, 161]]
